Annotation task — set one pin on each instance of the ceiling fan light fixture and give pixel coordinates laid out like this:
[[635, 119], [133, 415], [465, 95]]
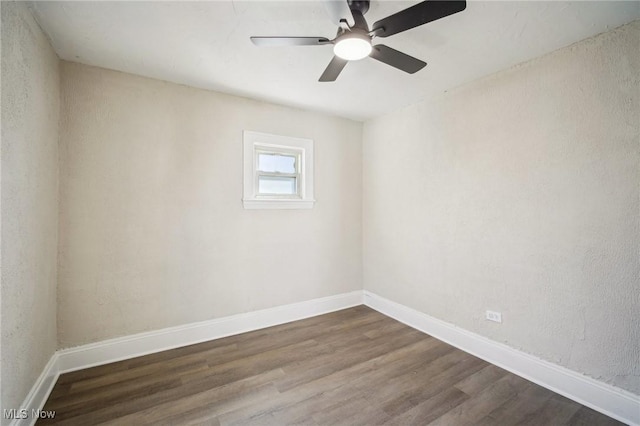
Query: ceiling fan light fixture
[[352, 47], [354, 36]]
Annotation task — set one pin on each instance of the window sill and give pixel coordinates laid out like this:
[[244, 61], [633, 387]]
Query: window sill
[[277, 204]]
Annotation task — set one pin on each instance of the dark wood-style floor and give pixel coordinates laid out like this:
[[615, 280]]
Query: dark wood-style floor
[[352, 367]]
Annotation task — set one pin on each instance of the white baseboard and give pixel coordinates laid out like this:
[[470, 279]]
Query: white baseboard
[[612, 401], [121, 348], [107, 351], [38, 394]]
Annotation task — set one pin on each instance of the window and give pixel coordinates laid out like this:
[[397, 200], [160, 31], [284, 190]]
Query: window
[[278, 172]]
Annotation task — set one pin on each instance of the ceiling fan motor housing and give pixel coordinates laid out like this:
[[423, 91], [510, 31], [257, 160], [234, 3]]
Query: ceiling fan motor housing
[[359, 27]]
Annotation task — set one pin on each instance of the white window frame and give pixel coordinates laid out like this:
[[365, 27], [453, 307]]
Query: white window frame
[[297, 154], [255, 143]]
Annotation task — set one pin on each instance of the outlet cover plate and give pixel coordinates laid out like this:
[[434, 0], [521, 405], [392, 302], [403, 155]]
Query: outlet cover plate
[[494, 316]]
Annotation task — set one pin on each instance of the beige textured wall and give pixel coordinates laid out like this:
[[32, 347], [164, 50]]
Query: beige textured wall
[[30, 111], [519, 193], [152, 229]]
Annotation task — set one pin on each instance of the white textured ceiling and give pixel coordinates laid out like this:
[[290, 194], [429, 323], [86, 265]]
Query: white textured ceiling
[[206, 45]]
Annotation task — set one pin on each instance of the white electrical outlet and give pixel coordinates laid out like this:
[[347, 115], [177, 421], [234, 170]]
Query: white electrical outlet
[[494, 316]]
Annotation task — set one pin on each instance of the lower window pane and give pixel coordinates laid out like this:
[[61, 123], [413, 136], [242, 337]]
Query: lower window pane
[[277, 185]]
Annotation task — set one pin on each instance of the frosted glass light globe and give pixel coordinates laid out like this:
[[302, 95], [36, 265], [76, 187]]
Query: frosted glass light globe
[[352, 48]]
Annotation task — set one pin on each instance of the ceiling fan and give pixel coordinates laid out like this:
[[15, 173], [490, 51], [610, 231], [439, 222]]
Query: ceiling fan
[[354, 38]]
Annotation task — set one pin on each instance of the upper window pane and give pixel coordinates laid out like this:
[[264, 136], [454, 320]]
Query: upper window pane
[[276, 163]]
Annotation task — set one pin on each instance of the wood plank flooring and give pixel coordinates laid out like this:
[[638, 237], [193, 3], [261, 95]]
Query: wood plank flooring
[[351, 367]]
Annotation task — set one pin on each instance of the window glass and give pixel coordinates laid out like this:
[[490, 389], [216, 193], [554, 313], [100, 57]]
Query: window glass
[[280, 185], [277, 163]]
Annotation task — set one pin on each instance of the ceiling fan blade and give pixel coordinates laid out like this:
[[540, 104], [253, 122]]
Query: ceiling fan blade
[[338, 10], [396, 59], [333, 69], [414, 16], [289, 41]]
